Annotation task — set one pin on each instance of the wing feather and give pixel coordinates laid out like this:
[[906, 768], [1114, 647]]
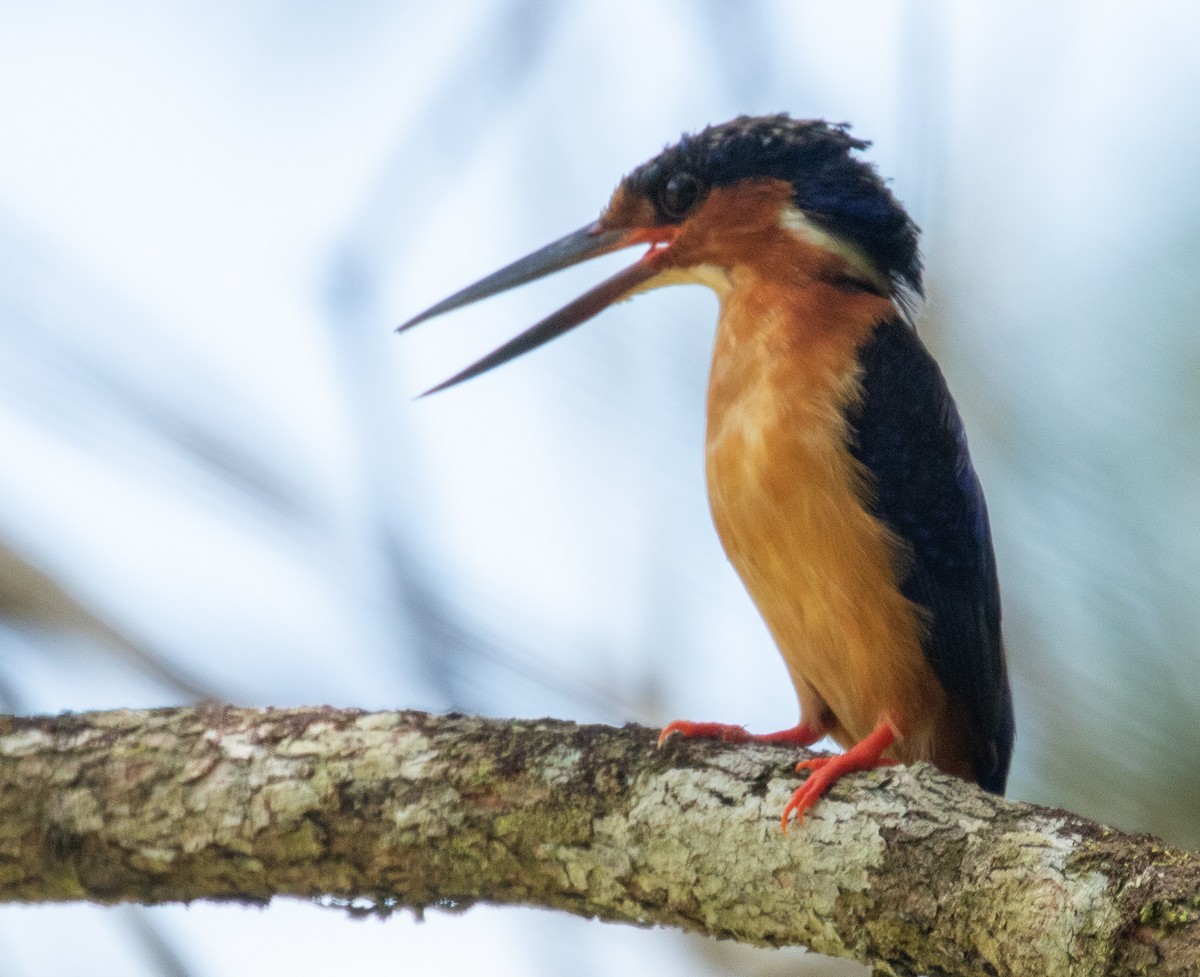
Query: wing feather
[[909, 436]]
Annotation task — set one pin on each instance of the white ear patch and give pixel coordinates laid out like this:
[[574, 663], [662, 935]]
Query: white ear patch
[[796, 222]]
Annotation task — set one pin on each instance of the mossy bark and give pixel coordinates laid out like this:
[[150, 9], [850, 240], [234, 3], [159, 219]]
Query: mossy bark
[[903, 868]]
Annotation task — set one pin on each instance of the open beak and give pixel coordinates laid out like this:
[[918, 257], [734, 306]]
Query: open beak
[[588, 242]]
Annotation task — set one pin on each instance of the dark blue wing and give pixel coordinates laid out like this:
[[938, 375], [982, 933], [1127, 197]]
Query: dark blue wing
[[909, 436]]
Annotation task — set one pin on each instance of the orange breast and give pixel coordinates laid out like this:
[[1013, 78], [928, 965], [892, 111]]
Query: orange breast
[[787, 499]]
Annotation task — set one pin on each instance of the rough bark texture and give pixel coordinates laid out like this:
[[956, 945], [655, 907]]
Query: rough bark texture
[[903, 868]]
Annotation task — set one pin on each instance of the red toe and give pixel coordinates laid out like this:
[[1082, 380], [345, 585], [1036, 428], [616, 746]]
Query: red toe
[[864, 755]]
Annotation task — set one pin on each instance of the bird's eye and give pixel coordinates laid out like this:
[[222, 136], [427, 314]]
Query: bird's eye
[[679, 194]]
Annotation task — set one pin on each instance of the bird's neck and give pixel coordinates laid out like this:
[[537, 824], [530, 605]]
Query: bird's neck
[[787, 354]]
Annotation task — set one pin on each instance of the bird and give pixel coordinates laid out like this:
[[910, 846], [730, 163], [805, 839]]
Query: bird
[[837, 468]]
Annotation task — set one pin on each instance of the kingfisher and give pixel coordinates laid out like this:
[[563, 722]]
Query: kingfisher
[[837, 467]]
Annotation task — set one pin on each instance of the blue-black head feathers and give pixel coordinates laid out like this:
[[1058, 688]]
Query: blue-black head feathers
[[835, 189]]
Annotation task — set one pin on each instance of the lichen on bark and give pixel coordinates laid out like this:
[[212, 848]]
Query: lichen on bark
[[904, 868]]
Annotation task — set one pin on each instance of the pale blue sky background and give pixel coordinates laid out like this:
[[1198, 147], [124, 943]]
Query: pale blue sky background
[[211, 216]]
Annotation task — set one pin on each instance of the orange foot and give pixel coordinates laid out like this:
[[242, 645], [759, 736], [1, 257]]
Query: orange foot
[[864, 755], [802, 734]]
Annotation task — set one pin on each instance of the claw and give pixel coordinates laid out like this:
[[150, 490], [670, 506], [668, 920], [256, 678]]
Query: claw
[[705, 731], [825, 771]]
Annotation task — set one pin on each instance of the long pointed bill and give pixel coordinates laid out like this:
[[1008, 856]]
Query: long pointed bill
[[568, 317], [588, 242]]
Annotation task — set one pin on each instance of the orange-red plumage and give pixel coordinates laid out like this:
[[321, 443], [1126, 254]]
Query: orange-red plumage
[[837, 471], [789, 500]]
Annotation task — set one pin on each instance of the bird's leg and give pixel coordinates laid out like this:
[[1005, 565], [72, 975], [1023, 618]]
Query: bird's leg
[[802, 734], [867, 754]]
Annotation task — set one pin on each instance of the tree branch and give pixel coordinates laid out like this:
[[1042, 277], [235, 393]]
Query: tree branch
[[903, 867]]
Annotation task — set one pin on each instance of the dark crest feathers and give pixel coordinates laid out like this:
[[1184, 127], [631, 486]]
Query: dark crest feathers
[[833, 187]]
